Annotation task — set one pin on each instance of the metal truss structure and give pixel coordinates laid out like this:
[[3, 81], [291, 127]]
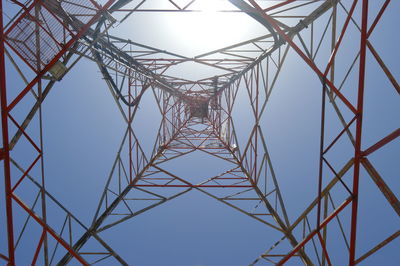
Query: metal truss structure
[[333, 39]]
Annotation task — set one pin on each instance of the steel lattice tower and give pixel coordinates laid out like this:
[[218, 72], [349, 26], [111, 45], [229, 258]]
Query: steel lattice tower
[[339, 44]]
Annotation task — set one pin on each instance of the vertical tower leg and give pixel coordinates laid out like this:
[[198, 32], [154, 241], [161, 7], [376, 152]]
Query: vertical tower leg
[[358, 153], [5, 152]]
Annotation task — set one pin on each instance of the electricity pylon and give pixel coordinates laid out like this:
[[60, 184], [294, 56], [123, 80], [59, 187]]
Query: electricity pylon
[[332, 39]]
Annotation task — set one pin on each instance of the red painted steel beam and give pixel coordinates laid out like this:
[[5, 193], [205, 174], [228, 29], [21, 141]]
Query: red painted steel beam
[[49, 230], [340, 134], [25, 14], [324, 249], [357, 149], [38, 248], [3, 257], [6, 149], [321, 153], [26, 173], [313, 233], [2, 154], [196, 186], [24, 133]]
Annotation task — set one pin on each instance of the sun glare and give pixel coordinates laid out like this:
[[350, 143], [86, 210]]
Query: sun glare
[[212, 25]]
